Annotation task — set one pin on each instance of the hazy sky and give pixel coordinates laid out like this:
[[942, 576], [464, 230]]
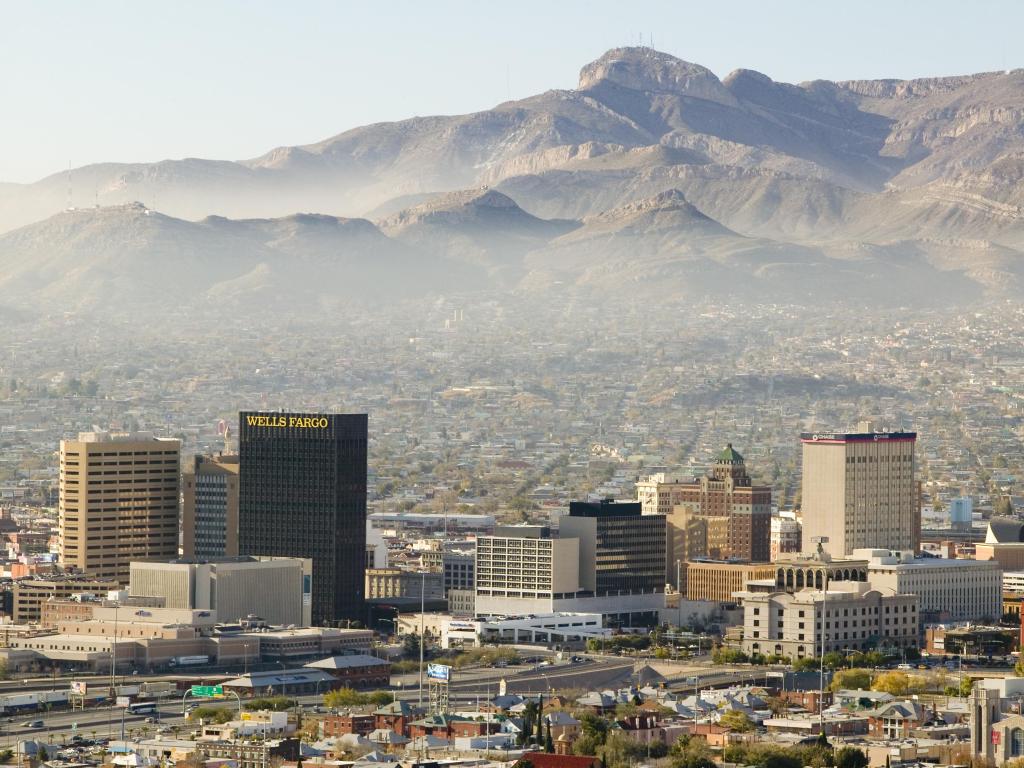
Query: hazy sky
[[85, 82]]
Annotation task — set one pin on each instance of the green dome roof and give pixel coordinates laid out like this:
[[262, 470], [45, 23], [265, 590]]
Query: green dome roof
[[729, 456]]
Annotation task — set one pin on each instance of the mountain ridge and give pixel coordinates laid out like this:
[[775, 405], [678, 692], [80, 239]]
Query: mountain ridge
[[897, 172]]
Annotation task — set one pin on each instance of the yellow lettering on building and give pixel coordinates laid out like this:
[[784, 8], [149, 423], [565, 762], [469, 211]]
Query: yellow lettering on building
[[299, 422]]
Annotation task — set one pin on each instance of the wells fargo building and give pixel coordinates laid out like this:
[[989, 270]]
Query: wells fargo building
[[302, 493]]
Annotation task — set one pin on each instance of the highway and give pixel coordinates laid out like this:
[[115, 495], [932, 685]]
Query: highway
[[468, 687]]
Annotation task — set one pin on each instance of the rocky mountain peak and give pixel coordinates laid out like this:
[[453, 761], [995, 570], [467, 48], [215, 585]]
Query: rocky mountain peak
[[645, 69]]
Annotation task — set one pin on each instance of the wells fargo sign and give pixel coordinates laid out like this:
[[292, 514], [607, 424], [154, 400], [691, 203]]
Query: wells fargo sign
[[283, 420]]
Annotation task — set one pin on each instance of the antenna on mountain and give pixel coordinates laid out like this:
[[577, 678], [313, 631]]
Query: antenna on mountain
[[69, 185], [508, 82]]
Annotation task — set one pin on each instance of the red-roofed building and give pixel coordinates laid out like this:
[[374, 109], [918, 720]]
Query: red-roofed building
[[545, 760]]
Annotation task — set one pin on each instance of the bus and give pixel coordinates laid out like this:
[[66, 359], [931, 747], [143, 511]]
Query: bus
[[142, 708]]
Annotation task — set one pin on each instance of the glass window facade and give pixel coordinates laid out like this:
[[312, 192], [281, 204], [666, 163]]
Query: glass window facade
[[302, 493]]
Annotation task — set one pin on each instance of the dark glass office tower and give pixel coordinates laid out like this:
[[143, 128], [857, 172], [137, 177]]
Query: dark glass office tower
[[302, 493]]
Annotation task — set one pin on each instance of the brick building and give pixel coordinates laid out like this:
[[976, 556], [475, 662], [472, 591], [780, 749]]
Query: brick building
[[722, 516]]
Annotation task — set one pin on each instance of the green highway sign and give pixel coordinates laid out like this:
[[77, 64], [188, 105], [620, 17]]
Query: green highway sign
[[207, 691]]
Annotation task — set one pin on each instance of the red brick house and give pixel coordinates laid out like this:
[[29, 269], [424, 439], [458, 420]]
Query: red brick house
[[356, 671], [896, 719], [339, 725], [395, 716], [449, 726]]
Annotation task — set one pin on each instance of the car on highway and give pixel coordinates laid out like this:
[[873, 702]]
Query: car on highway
[[32, 724]]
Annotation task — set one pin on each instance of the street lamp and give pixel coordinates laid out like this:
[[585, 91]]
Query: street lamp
[[820, 541], [423, 620], [284, 679]]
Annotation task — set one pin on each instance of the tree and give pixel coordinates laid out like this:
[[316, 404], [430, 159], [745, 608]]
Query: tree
[[343, 697], [592, 725], [1003, 507], [850, 679], [620, 751], [350, 697], [212, 714], [765, 755], [549, 744], [777, 705], [1018, 668], [529, 720], [6, 756], [594, 731], [411, 646], [736, 721], [273, 703], [725, 655], [42, 755], [896, 683], [691, 753], [805, 664], [834, 660], [310, 729], [850, 757], [963, 688]]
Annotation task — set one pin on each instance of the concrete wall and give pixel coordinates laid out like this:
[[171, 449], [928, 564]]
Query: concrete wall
[[174, 582], [584, 529], [272, 589], [824, 496]]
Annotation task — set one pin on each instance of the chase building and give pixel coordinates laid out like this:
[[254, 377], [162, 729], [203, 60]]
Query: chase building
[[302, 493]]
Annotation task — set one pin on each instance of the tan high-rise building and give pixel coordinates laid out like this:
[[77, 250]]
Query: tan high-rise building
[[723, 515], [118, 502], [209, 507], [859, 490]]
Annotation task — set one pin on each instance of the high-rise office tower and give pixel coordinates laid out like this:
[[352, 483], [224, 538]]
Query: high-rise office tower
[[722, 515], [621, 550], [859, 490], [209, 507], [118, 502], [302, 493]]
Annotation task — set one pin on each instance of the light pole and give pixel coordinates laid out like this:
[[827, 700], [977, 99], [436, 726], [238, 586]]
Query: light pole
[[423, 624], [284, 679], [821, 540], [113, 682]]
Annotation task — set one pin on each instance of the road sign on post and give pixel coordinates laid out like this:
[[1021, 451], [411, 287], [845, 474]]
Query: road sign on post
[[207, 691]]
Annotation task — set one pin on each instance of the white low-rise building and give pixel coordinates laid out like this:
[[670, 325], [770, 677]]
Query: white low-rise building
[[949, 590], [1013, 581], [544, 629], [855, 617]]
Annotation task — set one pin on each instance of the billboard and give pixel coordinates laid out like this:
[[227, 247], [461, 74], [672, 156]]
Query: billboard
[[78, 688], [440, 672], [123, 702]]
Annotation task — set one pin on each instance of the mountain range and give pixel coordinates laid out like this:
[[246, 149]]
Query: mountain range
[[653, 172]]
